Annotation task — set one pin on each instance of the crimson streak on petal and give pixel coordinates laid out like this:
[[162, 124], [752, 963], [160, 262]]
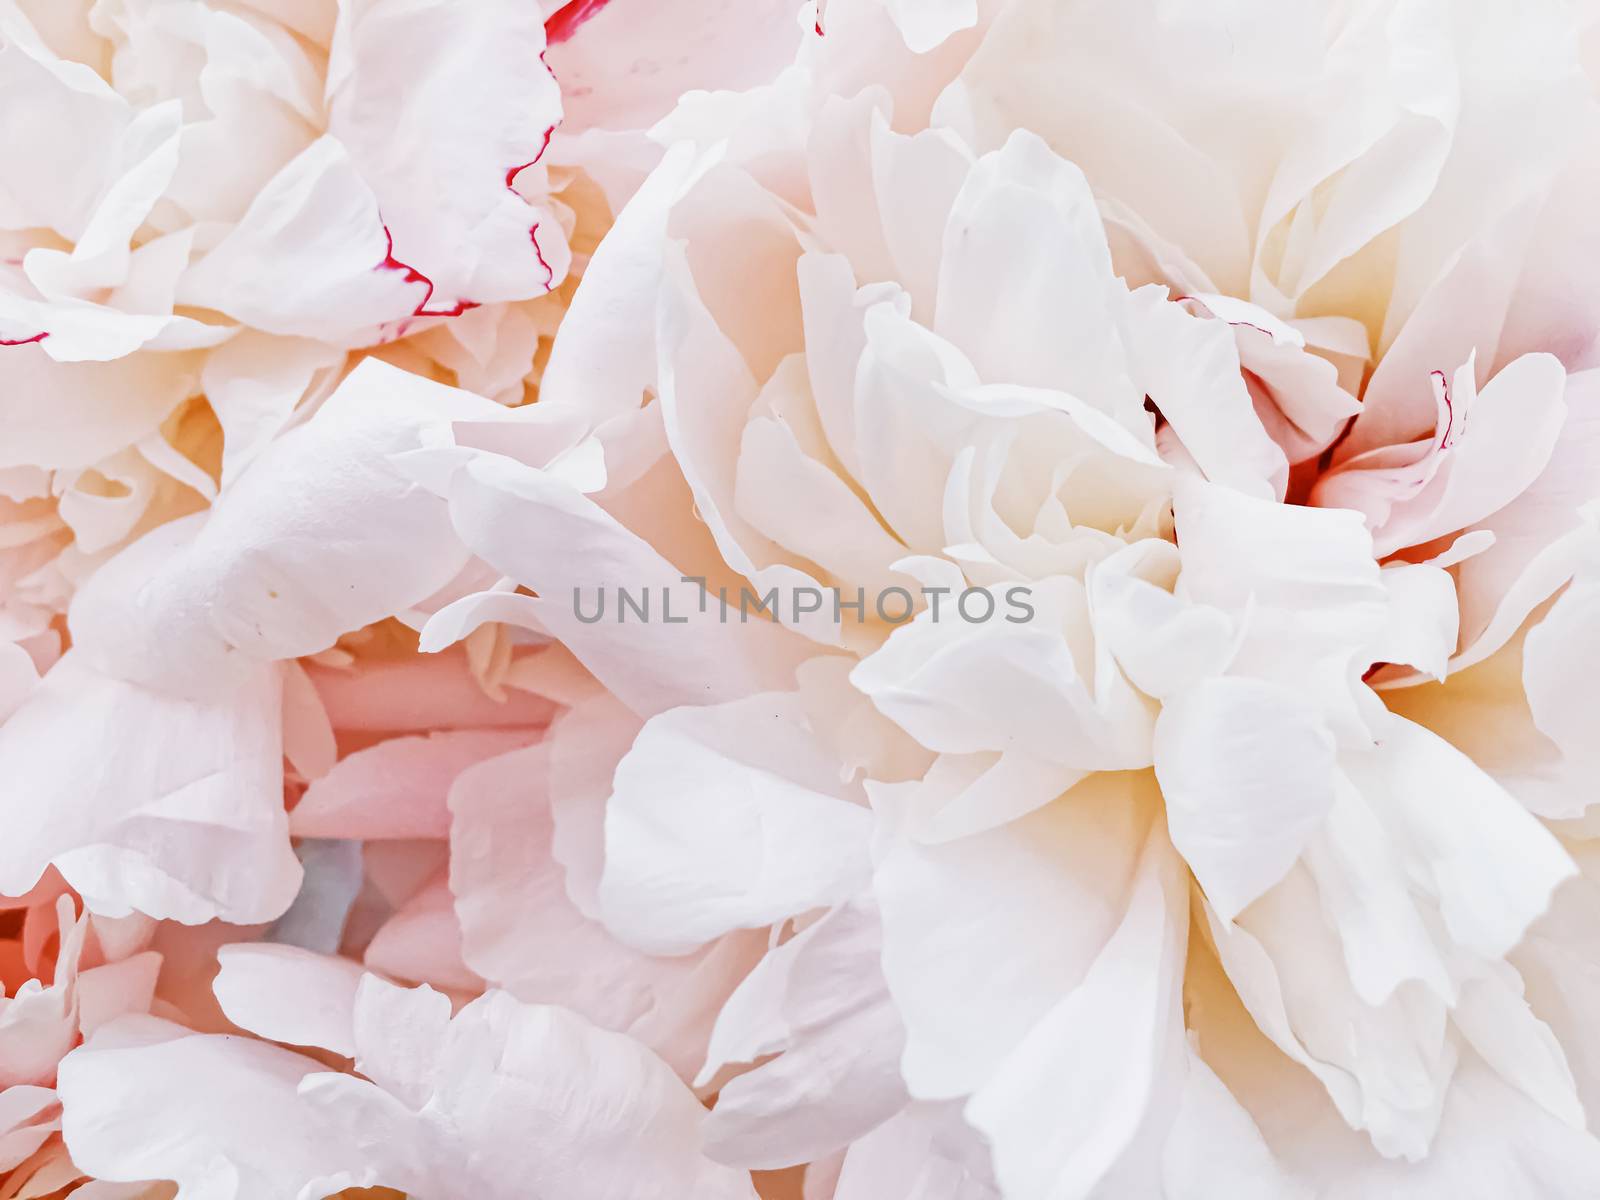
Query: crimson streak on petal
[[412, 275], [564, 24]]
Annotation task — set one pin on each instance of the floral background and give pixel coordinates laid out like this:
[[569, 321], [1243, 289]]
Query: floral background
[[345, 344]]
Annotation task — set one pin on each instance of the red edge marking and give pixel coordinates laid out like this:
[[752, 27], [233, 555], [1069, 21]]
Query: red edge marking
[[412, 275], [27, 341], [1185, 299], [533, 233], [1449, 408], [512, 174], [563, 24], [549, 271]]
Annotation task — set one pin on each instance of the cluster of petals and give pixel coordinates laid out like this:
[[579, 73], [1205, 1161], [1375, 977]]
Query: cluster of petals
[[359, 349]]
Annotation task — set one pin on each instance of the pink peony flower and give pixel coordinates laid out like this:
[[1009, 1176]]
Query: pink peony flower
[[498, 1099], [961, 599], [99, 970]]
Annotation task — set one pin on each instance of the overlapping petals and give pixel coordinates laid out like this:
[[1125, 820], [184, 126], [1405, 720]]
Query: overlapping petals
[[910, 600]]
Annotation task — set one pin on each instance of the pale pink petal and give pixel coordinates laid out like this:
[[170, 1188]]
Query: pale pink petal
[[39, 1023], [397, 788], [18, 676], [506, 1100], [962, 687], [422, 942], [926, 1152], [309, 743], [521, 932], [1299, 395], [1301, 583], [28, 1116], [998, 292], [604, 365], [421, 694], [622, 64], [1487, 450], [116, 989]]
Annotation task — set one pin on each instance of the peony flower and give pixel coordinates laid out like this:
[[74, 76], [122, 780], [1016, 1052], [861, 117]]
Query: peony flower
[[99, 970], [309, 86], [268, 191], [893, 354], [981, 599], [129, 288], [479, 1103]]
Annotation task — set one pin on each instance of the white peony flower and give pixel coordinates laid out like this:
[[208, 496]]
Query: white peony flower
[[906, 342], [958, 599]]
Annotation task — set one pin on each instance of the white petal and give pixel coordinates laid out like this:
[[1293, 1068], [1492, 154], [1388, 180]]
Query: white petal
[[506, 1100], [726, 817], [1561, 658], [520, 931], [820, 999], [961, 687], [286, 994], [1067, 1105], [323, 534], [1189, 367], [1423, 618], [537, 528], [146, 1099], [309, 258], [177, 814], [1025, 285], [253, 384], [1301, 583], [439, 109], [74, 414], [926, 24], [1247, 770], [1492, 865], [969, 963], [925, 1153]]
